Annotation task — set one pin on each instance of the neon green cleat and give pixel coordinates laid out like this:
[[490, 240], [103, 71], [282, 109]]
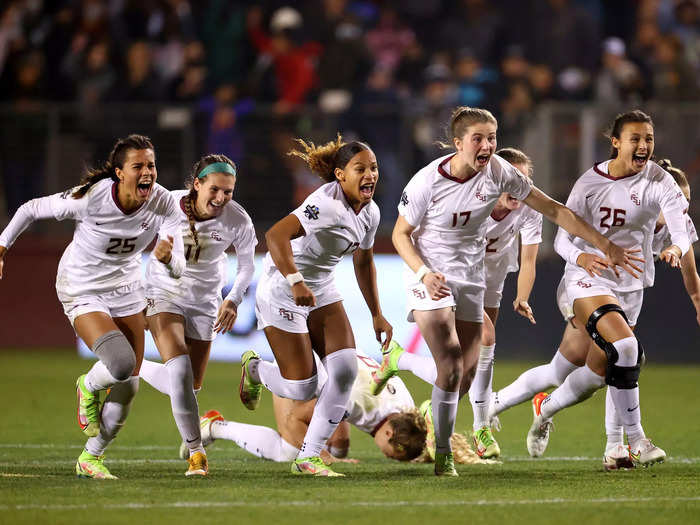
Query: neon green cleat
[[88, 408], [426, 410], [248, 390], [313, 467], [205, 425], [388, 369], [485, 444], [445, 465], [89, 466]]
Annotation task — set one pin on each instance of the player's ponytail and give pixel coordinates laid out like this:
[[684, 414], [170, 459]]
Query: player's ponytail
[[323, 160], [677, 174], [114, 161]]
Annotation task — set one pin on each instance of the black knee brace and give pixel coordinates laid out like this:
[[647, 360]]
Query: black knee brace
[[623, 377]]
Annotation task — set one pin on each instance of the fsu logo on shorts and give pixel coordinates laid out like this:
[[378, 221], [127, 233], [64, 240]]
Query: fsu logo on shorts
[[418, 293], [583, 284], [289, 316], [404, 199], [635, 199], [215, 235], [150, 303], [311, 211]]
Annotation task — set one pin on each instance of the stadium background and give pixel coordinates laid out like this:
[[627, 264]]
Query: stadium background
[[244, 79]]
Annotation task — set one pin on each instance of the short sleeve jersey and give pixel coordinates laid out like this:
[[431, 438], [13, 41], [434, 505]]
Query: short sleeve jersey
[[366, 411], [332, 229], [625, 210], [450, 214], [105, 252], [501, 235], [205, 270]]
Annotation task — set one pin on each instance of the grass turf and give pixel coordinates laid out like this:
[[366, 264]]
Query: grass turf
[[40, 441]]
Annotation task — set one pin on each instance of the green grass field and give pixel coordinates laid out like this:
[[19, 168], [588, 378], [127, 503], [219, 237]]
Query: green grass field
[[40, 441]]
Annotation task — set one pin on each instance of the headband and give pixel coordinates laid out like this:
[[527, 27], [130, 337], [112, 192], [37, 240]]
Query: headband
[[217, 167]]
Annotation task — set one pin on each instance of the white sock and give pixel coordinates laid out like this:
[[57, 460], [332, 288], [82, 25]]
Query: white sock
[[272, 379], [578, 386], [419, 365], [613, 426], [99, 378], [341, 367], [260, 441], [480, 389], [531, 382], [114, 412], [183, 401], [626, 402], [444, 414], [156, 375]]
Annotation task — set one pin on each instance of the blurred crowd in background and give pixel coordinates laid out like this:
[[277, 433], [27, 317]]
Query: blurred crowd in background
[[354, 62]]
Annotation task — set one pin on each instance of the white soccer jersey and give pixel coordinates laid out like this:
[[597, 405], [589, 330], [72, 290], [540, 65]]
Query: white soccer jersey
[[449, 214], [501, 235], [625, 211], [205, 270], [662, 238], [366, 411], [105, 252], [333, 229]]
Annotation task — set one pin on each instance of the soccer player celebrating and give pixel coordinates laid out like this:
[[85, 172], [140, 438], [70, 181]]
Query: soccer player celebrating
[[508, 219], [297, 303], [440, 236], [622, 198], [184, 314], [118, 208]]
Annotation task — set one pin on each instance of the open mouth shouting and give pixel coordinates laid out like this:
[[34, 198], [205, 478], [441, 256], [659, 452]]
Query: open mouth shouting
[[639, 160], [367, 190], [143, 188], [482, 159]]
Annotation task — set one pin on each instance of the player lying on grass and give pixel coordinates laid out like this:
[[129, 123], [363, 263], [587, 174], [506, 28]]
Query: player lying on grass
[[398, 428]]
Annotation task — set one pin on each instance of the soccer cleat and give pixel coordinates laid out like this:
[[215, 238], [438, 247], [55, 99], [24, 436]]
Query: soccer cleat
[[205, 425], [445, 465], [248, 390], [89, 466], [617, 457], [426, 410], [538, 435], [646, 453], [198, 465], [313, 467], [88, 408], [388, 369], [484, 443]]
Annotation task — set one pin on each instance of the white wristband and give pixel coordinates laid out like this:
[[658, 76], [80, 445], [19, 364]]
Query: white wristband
[[422, 271], [294, 278]]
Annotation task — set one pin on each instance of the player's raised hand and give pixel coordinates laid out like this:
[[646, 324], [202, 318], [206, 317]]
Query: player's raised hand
[[381, 325], [435, 284], [164, 249], [672, 256], [522, 307], [303, 296], [226, 317], [593, 264]]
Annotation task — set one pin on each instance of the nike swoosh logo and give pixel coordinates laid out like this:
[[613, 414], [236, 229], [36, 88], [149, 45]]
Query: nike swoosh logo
[[334, 422], [632, 409], [191, 440], [99, 223], [482, 401]]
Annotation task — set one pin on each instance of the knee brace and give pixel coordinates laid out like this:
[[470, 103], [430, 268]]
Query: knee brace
[[116, 354], [623, 377]]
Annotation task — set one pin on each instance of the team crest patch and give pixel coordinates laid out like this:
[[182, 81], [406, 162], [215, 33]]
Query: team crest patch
[[311, 211], [404, 199], [635, 198], [583, 284], [215, 235]]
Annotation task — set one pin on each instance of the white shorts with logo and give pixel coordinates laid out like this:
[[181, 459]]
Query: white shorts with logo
[[495, 276], [275, 306], [199, 319], [466, 298], [122, 302], [575, 286]]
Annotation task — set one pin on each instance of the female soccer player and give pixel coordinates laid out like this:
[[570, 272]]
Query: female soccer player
[[622, 198], [508, 219], [118, 210], [297, 303], [439, 234], [184, 314]]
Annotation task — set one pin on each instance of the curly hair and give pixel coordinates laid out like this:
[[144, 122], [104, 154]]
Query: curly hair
[[115, 160], [324, 159], [462, 451], [408, 433]]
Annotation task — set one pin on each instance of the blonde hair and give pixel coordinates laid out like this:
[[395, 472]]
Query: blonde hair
[[460, 120], [677, 174], [324, 159], [462, 451], [409, 431]]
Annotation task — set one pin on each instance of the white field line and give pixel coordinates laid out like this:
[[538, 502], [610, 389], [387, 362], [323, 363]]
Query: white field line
[[357, 504]]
